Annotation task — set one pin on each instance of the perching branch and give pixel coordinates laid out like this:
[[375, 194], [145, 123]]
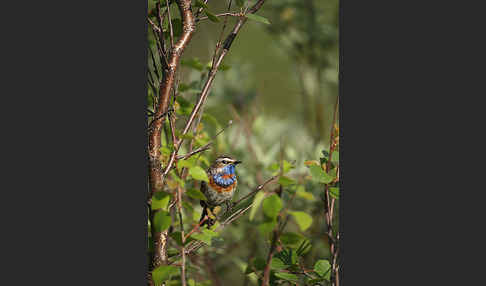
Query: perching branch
[[193, 246]]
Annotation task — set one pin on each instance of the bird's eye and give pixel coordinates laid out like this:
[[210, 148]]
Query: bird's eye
[[225, 162]]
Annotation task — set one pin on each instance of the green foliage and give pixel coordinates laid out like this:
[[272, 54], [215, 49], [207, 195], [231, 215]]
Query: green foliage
[[334, 192], [323, 268], [176, 236], [286, 181], [291, 239], [258, 18], [319, 175], [160, 200], [211, 16], [278, 264], [287, 276], [196, 194], [205, 236], [162, 221], [267, 225], [272, 206], [193, 63], [256, 204], [198, 173], [303, 219], [163, 273], [270, 141]]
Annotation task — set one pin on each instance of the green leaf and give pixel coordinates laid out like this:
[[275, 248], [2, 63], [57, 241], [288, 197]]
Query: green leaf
[[258, 18], [259, 263], [303, 219], [221, 67], [160, 200], [287, 166], [274, 167], [198, 173], [256, 204], [291, 239], [334, 192], [277, 264], [319, 175], [205, 236], [240, 3], [200, 4], [272, 206], [204, 159], [176, 236], [188, 163], [196, 194], [165, 150], [323, 268], [193, 63], [286, 181], [210, 119], [163, 273], [181, 100], [162, 221], [287, 276], [267, 226], [303, 194], [211, 16], [188, 136], [176, 178], [187, 206]]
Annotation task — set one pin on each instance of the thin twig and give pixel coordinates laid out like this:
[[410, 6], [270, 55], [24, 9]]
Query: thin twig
[[256, 190], [234, 14], [183, 262], [201, 9], [200, 149], [170, 26]]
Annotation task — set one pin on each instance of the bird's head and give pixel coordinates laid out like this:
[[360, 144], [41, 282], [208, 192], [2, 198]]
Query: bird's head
[[225, 164]]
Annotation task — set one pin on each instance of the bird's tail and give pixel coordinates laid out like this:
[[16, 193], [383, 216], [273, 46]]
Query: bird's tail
[[204, 213]]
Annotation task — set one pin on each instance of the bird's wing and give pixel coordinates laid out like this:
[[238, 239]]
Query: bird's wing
[[204, 187]]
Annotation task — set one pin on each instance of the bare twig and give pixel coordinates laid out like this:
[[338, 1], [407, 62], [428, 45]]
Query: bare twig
[[252, 193], [183, 238], [234, 14], [198, 150], [170, 25]]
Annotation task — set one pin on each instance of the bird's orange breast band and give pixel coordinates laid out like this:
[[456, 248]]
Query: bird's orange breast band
[[220, 189]]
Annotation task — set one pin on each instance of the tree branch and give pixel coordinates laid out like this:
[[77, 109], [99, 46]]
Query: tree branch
[[155, 168], [208, 84], [193, 246]]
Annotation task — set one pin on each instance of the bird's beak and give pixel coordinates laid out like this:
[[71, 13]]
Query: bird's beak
[[237, 162]]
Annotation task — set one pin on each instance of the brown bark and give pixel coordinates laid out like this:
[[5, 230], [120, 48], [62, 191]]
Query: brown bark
[[166, 85]]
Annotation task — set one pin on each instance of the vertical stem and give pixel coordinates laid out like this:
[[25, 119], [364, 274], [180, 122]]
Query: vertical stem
[[330, 205], [183, 263]]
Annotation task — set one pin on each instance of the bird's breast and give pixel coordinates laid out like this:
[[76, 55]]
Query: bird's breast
[[224, 183]]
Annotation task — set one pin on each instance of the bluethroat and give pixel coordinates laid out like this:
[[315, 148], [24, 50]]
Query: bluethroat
[[221, 187]]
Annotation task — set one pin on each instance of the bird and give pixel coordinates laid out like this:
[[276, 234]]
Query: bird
[[220, 188]]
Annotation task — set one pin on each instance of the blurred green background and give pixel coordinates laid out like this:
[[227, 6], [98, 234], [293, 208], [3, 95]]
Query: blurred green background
[[279, 90]]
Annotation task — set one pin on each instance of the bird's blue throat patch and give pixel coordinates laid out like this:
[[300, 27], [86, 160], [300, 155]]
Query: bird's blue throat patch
[[225, 178]]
